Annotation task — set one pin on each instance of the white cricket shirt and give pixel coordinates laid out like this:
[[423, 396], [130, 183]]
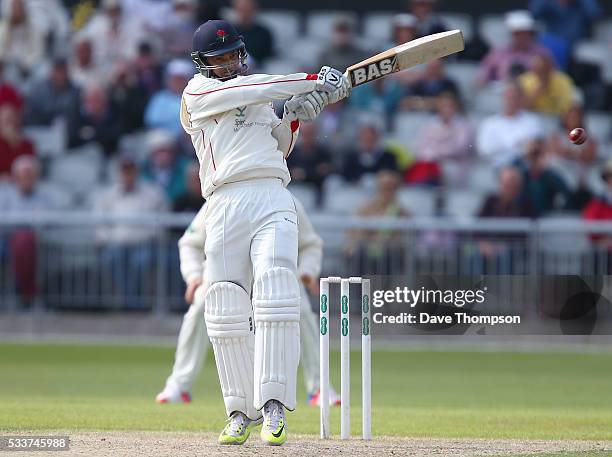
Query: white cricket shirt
[[231, 122]]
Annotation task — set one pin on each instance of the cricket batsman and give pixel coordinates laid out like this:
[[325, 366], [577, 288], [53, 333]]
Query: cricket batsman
[[250, 223], [192, 343]]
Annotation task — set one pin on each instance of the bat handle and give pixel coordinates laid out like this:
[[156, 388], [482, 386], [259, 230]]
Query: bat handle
[[346, 74]]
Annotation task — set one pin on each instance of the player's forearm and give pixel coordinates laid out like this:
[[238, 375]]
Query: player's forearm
[[310, 251], [309, 262], [286, 134]]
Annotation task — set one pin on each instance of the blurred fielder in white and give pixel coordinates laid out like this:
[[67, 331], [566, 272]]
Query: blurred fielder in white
[[193, 341]]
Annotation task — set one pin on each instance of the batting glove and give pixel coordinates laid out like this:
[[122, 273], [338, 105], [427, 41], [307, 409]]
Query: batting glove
[[333, 81], [309, 106]]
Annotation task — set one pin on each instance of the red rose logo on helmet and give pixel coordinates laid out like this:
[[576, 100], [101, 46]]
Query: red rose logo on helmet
[[221, 35]]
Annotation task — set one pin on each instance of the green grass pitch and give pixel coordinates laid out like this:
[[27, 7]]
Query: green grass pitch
[[418, 394]]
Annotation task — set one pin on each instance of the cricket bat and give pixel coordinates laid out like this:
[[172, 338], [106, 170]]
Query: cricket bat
[[404, 56]]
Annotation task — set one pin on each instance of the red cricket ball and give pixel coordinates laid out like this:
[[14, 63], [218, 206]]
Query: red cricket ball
[[578, 136]]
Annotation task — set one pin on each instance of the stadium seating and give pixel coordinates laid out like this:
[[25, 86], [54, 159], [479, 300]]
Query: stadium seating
[[347, 199], [562, 251], [482, 177], [284, 25], [418, 201], [463, 203], [493, 30], [459, 21], [596, 53], [407, 125], [488, 100], [78, 170], [599, 126], [281, 66], [306, 194], [464, 74], [136, 143], [306, 51], [377, 26], [60, 197], [321, 23], [48, 141]]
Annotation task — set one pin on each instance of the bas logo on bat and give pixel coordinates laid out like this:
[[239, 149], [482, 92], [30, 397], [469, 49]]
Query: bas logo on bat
[[373, 71]]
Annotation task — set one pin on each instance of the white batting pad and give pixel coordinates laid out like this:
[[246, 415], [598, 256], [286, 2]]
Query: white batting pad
[[229, 322], [276, 306]]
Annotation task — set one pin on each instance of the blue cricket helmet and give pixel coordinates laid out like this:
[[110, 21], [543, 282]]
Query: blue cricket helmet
[[215, 38]]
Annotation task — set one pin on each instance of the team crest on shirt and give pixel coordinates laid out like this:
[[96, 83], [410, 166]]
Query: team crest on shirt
[[240, 117], [240, 120]]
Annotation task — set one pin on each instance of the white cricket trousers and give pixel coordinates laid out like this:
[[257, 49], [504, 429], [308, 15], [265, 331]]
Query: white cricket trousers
[[252, 238], [251, 227]]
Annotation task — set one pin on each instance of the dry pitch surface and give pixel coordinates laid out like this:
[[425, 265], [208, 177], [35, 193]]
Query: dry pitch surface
[[178, 444]]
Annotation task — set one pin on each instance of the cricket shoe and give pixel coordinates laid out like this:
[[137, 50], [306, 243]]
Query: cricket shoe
[[238, 429], [314, 399], [274, 429], [172, 394]]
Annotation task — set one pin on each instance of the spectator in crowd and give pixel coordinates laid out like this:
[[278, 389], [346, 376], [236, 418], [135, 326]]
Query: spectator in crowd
[[258, 39], [448, 137], [502, 137], [176, 31], [404, 30], [427, 20], [84, 70], [54, 98], [495, 252], [149, 72], [24, 196], [370, 155], [310, 161], [337, 124], [8, 93], [381, 96], [542, 186], [379, 251], [342, 50], [547, 90], [600, 208], [163, 109], [12, 142], [510, 200], [191, 200], [210, 9], [568, 20], [422, 93], [97, 123], [21, 42], [573, 162], [127, 250], [514, 58], [53, 22], [125, 97], [113, 33], [165, 167]]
